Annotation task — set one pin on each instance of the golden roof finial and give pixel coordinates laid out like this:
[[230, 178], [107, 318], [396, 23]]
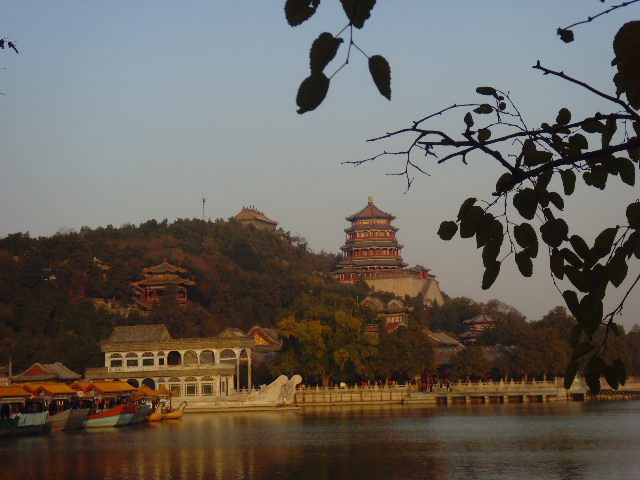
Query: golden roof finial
[[370, 199]]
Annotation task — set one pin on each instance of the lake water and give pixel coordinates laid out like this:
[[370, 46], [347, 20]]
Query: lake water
[[540, 441]]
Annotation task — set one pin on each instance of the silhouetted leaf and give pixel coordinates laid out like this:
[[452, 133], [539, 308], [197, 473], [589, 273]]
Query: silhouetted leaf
[[571, 299], [490, 274], [597, 177], [468, 120], [579, 246], [556, 199], [571, 257], [483, 109], [358, 11], [620, 370], [525, 235], [484, 134], [556, 264], [543, 180], [312, 91], [568, 181], [611, 376], [533, 157], [577, 143], [626, 46], [490, 253], [503, 183], [484, 231], [633, 215], [447, 230], [591, 125], [470, 221], [617, 270], [381, 74], [526, 203], [323, 50], [554, 231], [525, 265], [627, 170], [466, 205], [592, 372], [487, 91], [603, 244], [564, 116], [565, 35], [298, 11], [570, 374], [590, 313]]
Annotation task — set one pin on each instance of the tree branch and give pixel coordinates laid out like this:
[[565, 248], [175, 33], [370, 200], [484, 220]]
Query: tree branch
[[609, 10], [562, 75]]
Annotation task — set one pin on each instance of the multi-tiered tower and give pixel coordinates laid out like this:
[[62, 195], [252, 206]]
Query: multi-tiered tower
[[371, 244], [371, 252]]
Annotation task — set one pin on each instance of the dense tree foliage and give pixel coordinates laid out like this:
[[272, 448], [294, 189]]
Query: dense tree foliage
[[324, 337], [244, 276]]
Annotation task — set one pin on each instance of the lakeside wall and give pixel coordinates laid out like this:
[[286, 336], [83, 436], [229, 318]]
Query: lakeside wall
[[462, 393]]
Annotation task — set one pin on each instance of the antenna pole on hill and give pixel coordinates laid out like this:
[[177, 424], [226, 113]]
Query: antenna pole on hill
[[202, 236]]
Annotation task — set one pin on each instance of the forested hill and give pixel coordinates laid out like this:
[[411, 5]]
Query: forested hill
[[243, 276]]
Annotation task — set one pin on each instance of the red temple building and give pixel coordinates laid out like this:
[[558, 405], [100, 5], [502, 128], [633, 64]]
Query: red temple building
[[371, 252], [150, 290]]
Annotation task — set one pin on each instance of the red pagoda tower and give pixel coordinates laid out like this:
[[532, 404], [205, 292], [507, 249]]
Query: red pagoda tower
[[150, 290], [371, 244], [371, 252]]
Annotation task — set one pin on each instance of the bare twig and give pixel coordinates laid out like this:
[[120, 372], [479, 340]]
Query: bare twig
[[609, 10]]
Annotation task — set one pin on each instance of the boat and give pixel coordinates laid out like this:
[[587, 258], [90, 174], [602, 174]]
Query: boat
[[174, 414], [70, 419], [19, 415], [141, 413], [117, 416], [32, 421], [63, 404], [156, 415]]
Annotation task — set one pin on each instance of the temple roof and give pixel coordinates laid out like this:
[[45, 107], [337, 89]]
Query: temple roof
[[54, 389], [13, 391], [164, 280], [380, 261], [139, 333], [39, 372], [371, 243], [253, 214], [381, 227], [163, 268], [369, 211]]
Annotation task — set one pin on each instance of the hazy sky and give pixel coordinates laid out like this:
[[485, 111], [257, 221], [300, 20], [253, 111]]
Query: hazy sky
[[124, 111]]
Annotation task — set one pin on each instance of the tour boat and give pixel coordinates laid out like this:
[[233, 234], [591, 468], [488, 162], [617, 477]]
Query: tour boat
[[19, 415], [174, 414], [70, 419], [117, 416]]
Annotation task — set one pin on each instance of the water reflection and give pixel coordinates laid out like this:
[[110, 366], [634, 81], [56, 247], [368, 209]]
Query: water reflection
[[546, 441]]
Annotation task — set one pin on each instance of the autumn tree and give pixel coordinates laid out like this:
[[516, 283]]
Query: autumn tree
[[470, 362], [403, 354], [324, 337], [538, 168]]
